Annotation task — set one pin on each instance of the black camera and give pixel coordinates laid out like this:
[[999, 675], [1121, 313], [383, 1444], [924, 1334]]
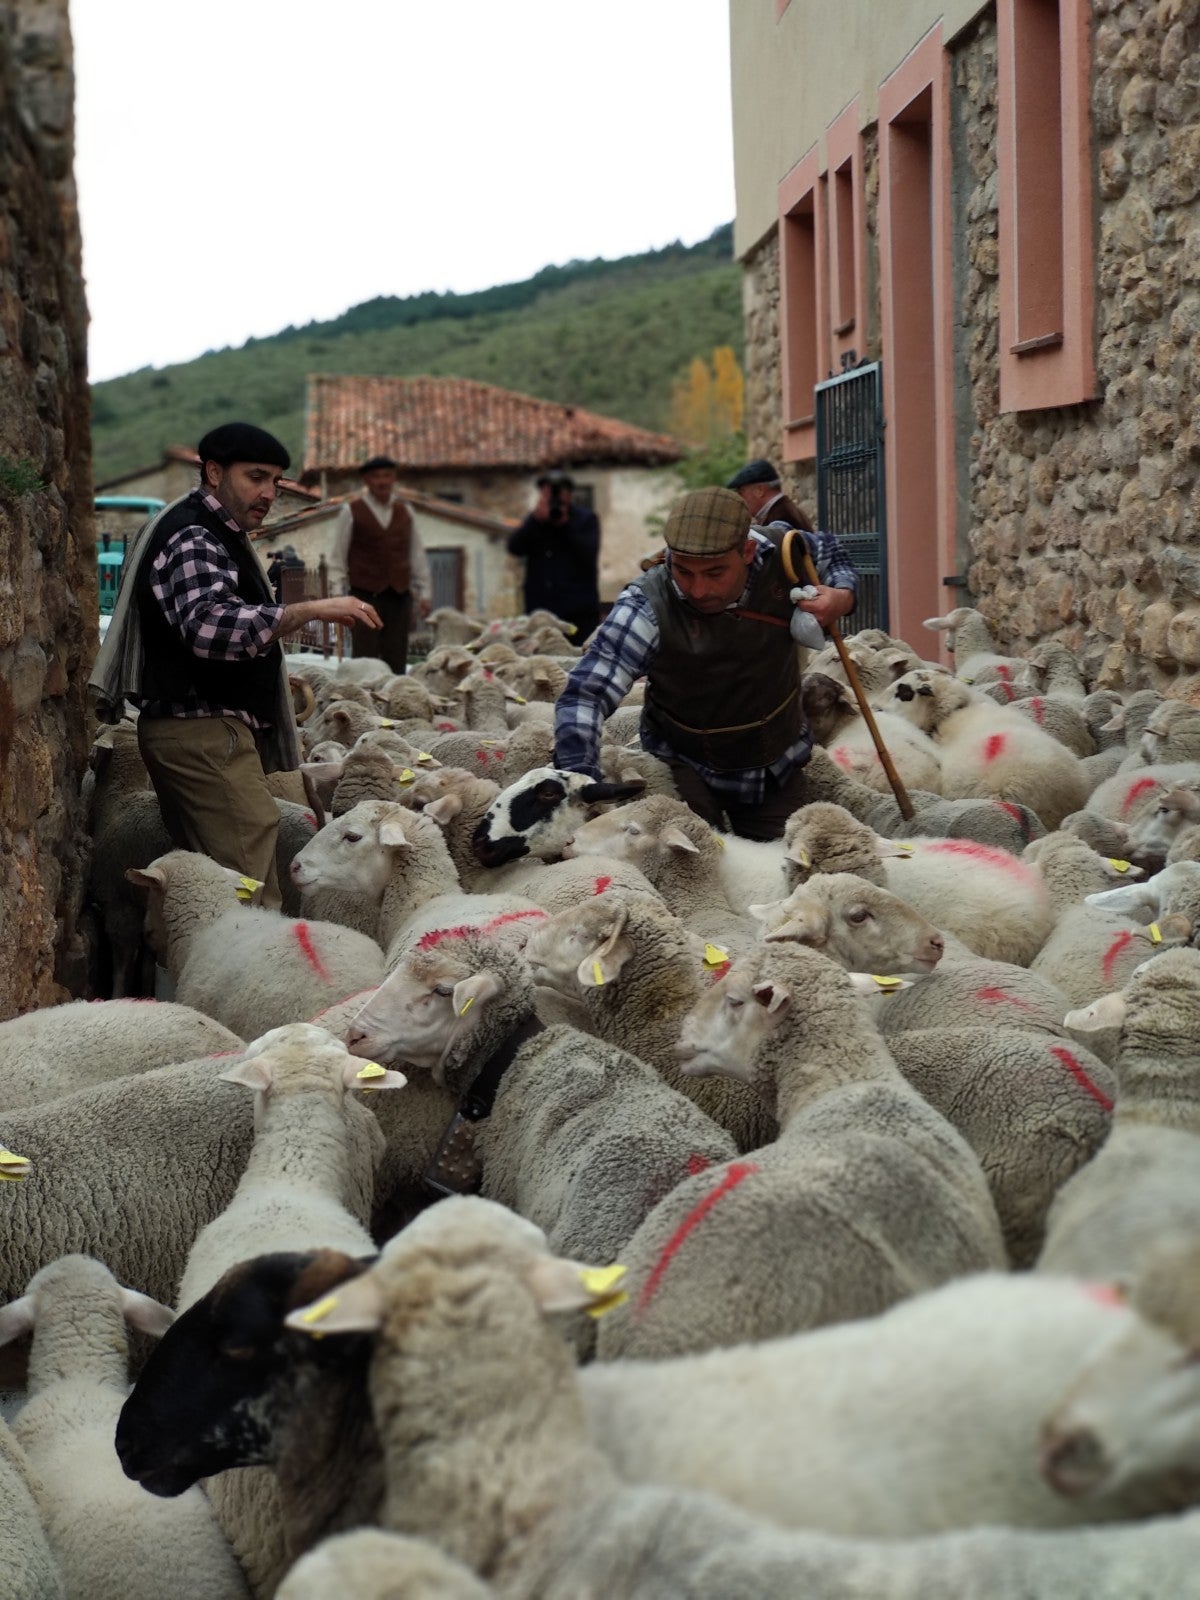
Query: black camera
[[560, 486]]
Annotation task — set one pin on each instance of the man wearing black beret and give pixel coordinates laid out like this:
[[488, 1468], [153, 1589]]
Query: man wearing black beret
[[759, 486], [378, 553], [194, 644]]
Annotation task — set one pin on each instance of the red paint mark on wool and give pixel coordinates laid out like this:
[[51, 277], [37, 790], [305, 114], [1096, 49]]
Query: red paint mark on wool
[[481, 756], [435, 936], [497, 755], [220, 1055], [842, 756], [309, 951], [1105, 1294], [736, 1173], [978, 852], [506, 917], [994, 745], [1000, 997], [601, 885], [310, 819], [431, 940], [697, 1164], [1010, 693], [445, 727], [1135, 792], [1075, 1068], [1003, 673], [1121, 942], [1038, 706]]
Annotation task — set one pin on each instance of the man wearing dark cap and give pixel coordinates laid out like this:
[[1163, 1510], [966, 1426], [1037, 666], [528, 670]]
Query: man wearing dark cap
[[710, 628], [759, 486], [194, 643], [378, 552], [560, 542]]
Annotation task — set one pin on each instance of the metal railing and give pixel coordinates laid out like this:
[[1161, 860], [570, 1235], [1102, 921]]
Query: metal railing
[[851, 498]]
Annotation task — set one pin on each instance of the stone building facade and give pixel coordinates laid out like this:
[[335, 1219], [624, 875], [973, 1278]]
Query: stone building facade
[[1077, 521], [48, 617]]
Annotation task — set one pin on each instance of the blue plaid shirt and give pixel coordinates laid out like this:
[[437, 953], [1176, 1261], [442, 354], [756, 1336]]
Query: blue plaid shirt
[[621, 652], [195, 582]]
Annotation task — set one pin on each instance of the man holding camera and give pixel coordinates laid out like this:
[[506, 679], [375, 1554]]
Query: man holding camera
[[560, 542]]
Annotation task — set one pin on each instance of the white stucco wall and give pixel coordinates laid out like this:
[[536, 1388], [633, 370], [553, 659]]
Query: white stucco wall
[[793, 76]]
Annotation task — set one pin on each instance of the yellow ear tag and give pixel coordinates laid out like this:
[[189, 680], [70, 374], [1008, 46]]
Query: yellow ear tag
[[1155, 933], [966, 680], [315, 1312], [888, 985], [470, 1001], [386, 722], [714, 956], [423, 759], [521, 700], [719, 840], [903, 847], [801, 856], [1117, 864], [13, 1167], [372, 1069], [597, 975], [407, 775], [602, 1281]]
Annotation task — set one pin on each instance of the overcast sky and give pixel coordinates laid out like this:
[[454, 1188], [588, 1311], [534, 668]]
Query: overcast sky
[[245, 164]]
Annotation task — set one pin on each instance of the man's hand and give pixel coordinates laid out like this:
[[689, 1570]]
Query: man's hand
[[337, 608], [827, 605]]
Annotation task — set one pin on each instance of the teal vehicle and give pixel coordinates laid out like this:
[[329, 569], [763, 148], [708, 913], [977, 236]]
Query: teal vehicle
[[111, 556]]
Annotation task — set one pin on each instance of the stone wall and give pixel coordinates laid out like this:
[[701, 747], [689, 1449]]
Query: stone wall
[[47, 543], [1082, 523]]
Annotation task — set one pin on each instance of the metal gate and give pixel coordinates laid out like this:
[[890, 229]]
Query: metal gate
[[447, 570], [851, 500]]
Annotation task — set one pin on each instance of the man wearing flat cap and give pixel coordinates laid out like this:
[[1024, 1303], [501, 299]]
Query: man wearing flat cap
[[378, 552], [710, 629], [762, 493], [194, 644]]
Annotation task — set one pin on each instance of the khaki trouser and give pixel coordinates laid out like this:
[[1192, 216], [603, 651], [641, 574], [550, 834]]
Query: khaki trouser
[[213, 793]]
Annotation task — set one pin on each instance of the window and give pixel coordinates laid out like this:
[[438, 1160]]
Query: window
[[848, 229], [1045, 196], [802, 303]]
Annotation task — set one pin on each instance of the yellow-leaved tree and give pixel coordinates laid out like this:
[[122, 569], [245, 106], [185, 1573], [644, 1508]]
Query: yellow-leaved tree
[[707, 402]]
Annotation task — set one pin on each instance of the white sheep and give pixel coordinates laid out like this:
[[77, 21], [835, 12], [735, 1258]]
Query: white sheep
[[28, 1571], [836, 722], [1071, 869], [988, 750], [582, 1137], [1174, 891], [556, 1522], [834, 1220], [969, 640], [50, 1053], [303, 1187], [996, 905], [369, 1564], [1094, 950], [112, 1540], [1146, 1178], [249, 968], [1127, 797]]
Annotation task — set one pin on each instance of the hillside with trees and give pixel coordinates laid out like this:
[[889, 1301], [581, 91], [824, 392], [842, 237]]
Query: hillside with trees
[[618, 337]]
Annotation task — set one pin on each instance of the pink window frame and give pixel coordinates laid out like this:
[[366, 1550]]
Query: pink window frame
[[803, 296], [848, 279], [1040, 365]]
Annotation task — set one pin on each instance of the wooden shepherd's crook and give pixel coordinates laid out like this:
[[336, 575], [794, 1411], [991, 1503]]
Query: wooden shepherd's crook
[[835, 633]]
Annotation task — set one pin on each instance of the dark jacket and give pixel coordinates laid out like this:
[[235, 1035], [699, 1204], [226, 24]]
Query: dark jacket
[[560, 562]]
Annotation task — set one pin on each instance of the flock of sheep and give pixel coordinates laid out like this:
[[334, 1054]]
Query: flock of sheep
[[559, 1200]]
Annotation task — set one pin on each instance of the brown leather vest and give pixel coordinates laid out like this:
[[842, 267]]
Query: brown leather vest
[[380, 558], [724, 690]]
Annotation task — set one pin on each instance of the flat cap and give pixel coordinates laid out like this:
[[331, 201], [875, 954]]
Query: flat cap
[[760, 471], [707, 522], [242, 441]]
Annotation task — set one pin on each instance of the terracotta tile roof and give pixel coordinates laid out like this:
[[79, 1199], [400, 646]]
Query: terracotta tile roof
[[439, 424]]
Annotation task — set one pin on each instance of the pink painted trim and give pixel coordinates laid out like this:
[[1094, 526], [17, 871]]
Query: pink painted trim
[[803, 294], [916, 264], [843, 153], [1062, 374]]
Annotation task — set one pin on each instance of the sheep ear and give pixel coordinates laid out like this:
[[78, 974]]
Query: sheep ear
[[675, 839], [391, 831], [354, 1307], [559, 1285], [940, 624], [760, 913], [807, 926], [481, 986], [368, 1075], [146, 877], [772, 995], [605, 962], [444, 809], [16, 1319], [797, 853], [252, 1072], [872, 983], [1106, 1012], [140, 1311]]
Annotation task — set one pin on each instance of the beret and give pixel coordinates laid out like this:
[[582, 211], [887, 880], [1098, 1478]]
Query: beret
[[242, 441], [376, 462], [760, 471], [707, 522]]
